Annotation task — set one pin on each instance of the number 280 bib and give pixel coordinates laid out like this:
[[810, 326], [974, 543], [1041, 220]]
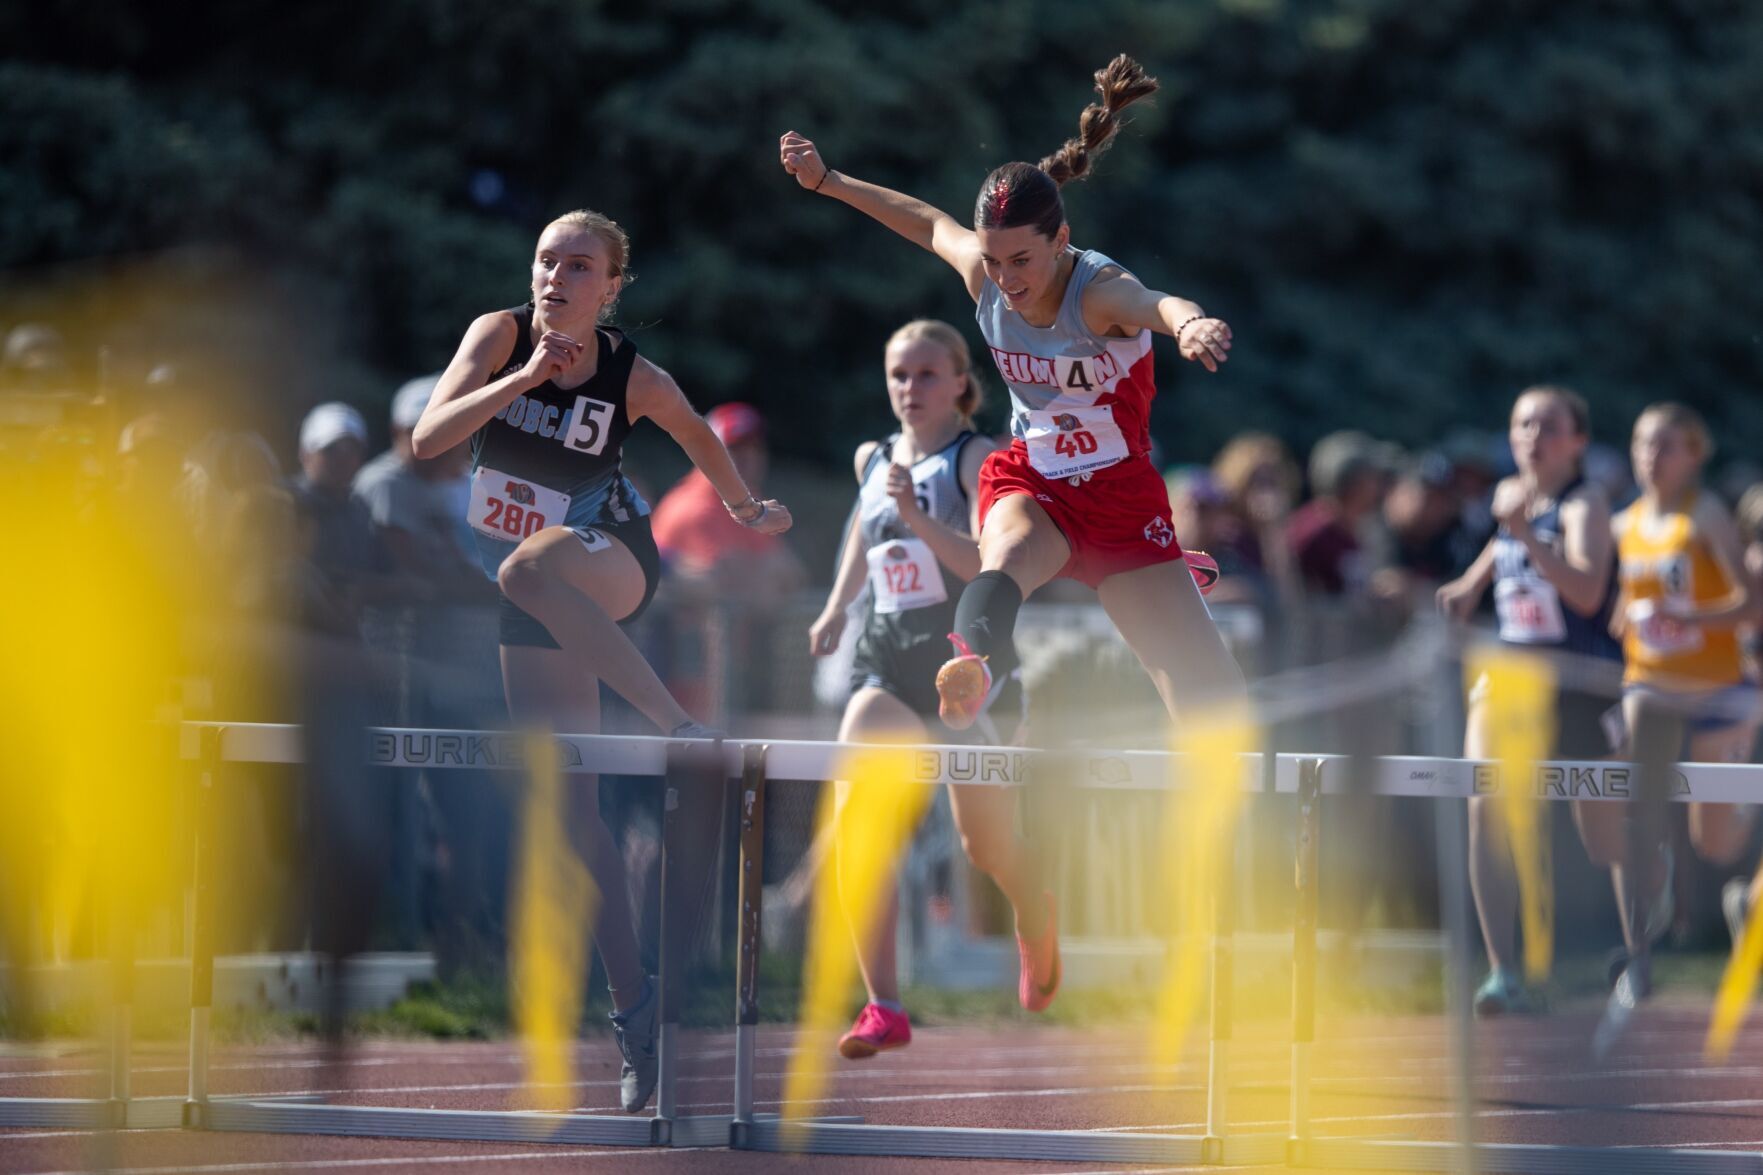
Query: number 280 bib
[[510, 508], [1068, 442]]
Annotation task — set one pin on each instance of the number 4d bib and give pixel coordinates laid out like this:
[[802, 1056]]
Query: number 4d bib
[[1070, 442], [510, 508], [903, 574]]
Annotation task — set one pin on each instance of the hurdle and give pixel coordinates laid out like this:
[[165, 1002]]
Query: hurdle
[[753, 763], [1310, 779]]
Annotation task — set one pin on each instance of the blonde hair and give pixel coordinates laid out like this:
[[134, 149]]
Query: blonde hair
[[973, 393], [1246, 452], [613, 236], [1683, 418]]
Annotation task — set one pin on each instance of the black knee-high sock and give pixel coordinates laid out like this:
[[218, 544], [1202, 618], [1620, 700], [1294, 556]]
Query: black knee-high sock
[[985, 617]]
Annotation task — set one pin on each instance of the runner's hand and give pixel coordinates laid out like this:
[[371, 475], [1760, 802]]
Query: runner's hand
[[1206, 340], [1457, 599], [904, 493], [824, 633], [553, 356], [774, 519], [1511, 507], [802, 160]]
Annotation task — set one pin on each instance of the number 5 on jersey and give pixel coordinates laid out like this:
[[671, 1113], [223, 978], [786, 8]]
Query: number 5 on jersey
[[589, 425]]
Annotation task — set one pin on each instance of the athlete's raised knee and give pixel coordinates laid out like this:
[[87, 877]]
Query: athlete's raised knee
[[523, 575]]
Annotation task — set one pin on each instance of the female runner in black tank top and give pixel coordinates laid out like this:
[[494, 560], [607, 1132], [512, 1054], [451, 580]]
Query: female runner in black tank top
[[579, 581], [1560, 601]]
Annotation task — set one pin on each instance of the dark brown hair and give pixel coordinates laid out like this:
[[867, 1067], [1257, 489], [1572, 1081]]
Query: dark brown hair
[[1021, 193], [1577, 408]]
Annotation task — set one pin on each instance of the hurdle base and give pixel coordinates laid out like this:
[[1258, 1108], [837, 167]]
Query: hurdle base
[[740, 1134], [278, 1117], [962, 1142], [69, 1113], [1525, 1159]]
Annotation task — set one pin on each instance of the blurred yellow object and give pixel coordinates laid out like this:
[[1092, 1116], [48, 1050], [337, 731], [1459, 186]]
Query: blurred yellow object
[[1521, 729], [94, 616], [1199, 832], [1737, 985], [554, 906], [869, 835]]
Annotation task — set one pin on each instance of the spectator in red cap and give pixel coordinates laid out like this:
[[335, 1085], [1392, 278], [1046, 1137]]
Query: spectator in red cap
[[701, 542], [716, 563]]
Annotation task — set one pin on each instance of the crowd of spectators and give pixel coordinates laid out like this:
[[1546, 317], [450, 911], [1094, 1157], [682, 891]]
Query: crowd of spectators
[[369, 550]]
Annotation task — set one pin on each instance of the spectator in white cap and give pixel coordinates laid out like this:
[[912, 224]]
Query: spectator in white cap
[[418, 506], [333, 444]]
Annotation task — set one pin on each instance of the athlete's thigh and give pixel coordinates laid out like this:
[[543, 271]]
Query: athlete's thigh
[[875, 715], [1161, 617], [599, 566], [1022, 540], [1475, 727], [1727, 744]]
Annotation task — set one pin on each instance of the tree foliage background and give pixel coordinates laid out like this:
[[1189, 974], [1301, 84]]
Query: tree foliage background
[[1407, 210]]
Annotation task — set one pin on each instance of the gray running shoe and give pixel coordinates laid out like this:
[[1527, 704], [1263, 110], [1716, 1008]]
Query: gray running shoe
[[1735, 903], [1633, 987], [636, 1031], [691, 729]]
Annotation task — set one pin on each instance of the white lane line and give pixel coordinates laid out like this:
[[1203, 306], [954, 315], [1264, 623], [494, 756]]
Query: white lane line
[[1430, 1115], [414, 1161]]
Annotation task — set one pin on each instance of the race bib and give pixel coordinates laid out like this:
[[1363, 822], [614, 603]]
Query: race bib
[[1659, 634], [1070, 442], [903, 574], [1529, 612], [510, 508]]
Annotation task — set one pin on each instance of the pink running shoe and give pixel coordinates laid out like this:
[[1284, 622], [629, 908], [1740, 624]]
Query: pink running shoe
[[1204, 569], [877, 1030], [962, 685], [1038, 981]]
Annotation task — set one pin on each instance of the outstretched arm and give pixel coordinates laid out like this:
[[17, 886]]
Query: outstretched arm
[[1122, 301], [653, 393], [925, 226]]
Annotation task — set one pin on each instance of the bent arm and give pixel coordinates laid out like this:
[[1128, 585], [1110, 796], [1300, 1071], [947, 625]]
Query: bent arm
[[1581, 573], [957, 550], [1722, 534], [462, 402], [653, 394]]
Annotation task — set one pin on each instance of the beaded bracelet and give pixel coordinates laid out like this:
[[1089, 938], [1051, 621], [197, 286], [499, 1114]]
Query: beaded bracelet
[[1195, 318]]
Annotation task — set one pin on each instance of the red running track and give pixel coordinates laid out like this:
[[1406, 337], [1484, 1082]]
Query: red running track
[[1383, 1076]]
